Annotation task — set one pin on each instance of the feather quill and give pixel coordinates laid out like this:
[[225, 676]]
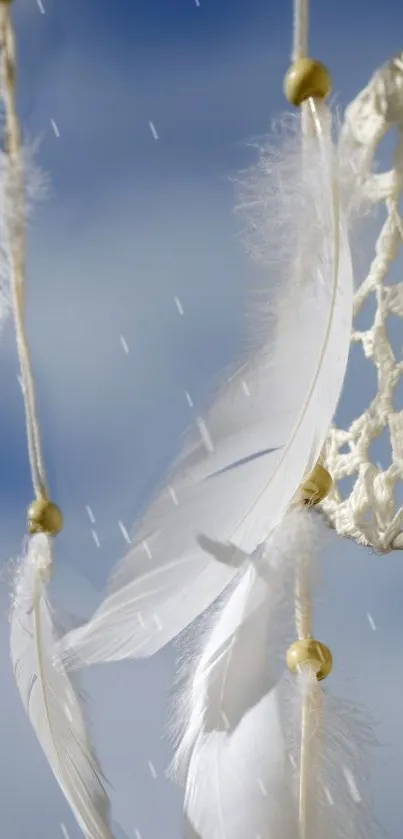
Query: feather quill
[[239, 754], [265, 432], [51, 700]]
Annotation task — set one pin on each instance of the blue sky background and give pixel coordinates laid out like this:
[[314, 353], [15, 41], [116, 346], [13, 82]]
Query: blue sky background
[[131, 223]]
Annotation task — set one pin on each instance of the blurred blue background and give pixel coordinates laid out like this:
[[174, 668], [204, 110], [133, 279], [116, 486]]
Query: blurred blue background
[[143, 111]]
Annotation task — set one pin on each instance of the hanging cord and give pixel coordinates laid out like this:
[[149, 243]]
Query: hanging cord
[[15, 231], [303, 602], [300, 29], [303, 623], [311, 661], [306, 85]]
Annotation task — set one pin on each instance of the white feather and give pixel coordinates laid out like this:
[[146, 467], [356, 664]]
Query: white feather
[[236, 480], [232, 758], [339, 804], [240, 746], [51, 701]]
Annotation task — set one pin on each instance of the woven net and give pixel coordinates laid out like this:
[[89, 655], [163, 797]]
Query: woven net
[[369, 512]]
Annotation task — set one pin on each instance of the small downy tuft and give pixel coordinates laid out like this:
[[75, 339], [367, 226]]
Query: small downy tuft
[[342, 753], [36, 189]]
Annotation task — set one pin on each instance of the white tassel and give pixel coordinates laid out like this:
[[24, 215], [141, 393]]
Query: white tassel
[[263, 435], [260, 754], [50, 697]]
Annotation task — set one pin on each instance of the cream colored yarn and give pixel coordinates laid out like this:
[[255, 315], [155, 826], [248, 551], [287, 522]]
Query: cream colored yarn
[[369, 514]]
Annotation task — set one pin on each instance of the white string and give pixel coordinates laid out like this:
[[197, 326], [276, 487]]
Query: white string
[[15, 226], [303, 600], [310, 123], [309, 707], [300, 29]]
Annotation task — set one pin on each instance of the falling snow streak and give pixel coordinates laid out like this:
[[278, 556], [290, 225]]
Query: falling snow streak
[[152, 769], [157, 622], [153, 130], [205, 434], [90, 514], [96, 538], [124, 533], [173, 495], [178, 305], [55, 128], [124, 344], [352, 786], [245, 388], [371, 622], [147, 550]]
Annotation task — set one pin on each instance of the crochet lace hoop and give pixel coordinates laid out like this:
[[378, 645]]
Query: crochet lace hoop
[[369, 512]]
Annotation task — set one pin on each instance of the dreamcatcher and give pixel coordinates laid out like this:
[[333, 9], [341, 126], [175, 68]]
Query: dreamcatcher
[[263, 751]]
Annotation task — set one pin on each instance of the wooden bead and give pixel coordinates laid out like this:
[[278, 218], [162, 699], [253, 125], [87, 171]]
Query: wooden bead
[[44, 516], [307, 78], [314, 653], [317, 486]]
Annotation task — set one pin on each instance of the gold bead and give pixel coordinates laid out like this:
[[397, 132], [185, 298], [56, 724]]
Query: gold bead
[[306, 78], [317, 486], [44, 516], [309, 651]]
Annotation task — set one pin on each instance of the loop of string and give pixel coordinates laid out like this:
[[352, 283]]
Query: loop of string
[[14, 208], [300, 29]]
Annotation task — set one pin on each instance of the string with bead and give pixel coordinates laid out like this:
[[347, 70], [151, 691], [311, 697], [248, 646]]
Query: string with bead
[[50, 694], [43, 515], [306, 82]]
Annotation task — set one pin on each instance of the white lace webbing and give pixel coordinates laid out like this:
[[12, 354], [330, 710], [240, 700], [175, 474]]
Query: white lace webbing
[[368, 514]]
